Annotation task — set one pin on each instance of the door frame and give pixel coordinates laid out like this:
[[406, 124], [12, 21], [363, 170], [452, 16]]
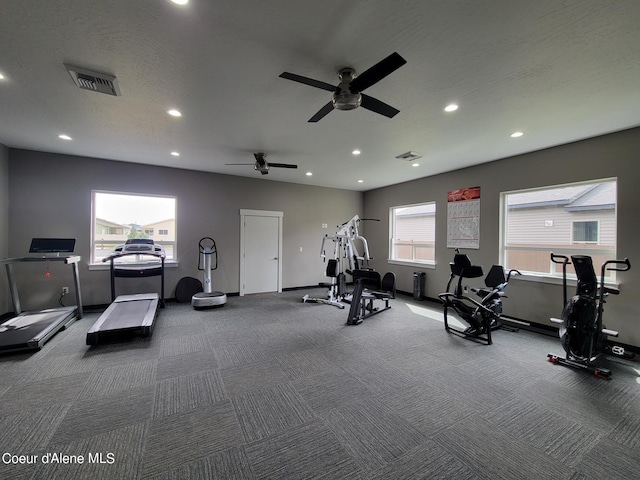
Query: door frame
[[259, 213]]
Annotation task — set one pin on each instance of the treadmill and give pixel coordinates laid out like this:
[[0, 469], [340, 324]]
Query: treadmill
[[31, 330], [131, 314]]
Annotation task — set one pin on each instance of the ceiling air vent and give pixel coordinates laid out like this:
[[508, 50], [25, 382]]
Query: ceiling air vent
[[409, 156], [94, 81]]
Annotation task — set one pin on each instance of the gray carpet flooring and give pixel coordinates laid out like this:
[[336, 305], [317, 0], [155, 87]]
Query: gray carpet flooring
[[268, 387]]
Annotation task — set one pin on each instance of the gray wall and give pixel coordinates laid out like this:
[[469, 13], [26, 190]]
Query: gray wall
[[614, 155], [51, 197], [4, 223]]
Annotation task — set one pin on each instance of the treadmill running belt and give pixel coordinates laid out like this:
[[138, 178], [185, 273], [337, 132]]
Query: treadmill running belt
[[31, 330], [128, 313]]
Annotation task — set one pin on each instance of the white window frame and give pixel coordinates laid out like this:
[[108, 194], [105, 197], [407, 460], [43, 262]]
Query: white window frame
[[393, 243], [172, 257], [555, 271]]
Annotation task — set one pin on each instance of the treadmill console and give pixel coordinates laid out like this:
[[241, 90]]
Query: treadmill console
[[139, 246], [52, 245]]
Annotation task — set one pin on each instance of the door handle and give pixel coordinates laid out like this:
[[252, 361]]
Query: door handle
[[275, 258]]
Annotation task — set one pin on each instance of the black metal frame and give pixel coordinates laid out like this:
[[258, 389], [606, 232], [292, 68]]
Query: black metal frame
[[592, 294], [479, 314], [368, 287]]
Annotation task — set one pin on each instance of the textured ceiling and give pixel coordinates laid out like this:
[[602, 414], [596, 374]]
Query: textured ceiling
[[557, 70]]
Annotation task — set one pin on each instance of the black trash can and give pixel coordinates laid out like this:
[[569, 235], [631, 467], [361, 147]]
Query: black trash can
[[418, 285]]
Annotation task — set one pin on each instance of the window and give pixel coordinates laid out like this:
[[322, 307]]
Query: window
[[585, 232], [571, 219], [117, 217], [413, 233]]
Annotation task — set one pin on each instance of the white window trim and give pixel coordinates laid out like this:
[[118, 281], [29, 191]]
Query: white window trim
[[92, 264], [414, 262], [549, 278]]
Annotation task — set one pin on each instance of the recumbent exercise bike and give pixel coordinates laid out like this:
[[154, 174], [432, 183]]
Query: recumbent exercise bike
[[584, 337], [482, 315]]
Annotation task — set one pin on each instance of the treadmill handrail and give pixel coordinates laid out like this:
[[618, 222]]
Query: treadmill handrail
[[68, 260], [113, 267], [72, 260]]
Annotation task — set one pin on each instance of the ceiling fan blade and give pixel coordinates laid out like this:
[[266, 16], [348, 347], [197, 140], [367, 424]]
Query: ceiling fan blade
[[322, 112], [282, 165], [240, 163], [377, 72], [308, 81], [377, 106]]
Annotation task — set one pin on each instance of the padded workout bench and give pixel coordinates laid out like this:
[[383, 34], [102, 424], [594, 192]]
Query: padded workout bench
[[369, 287]]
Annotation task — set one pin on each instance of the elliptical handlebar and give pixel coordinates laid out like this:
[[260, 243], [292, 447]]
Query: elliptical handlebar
[[565, 261], [625, 262], [511, 272], [564, 258]]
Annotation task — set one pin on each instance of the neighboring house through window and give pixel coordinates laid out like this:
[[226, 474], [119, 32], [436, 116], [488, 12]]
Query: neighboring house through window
[[413, 233], [117, 217], [574, 219]]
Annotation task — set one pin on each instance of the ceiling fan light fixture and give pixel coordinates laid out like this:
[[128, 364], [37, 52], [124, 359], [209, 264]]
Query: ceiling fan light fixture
[[346, 100]]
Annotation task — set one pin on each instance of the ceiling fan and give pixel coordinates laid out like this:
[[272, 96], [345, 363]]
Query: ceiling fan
[[262, 166], [348, 95]]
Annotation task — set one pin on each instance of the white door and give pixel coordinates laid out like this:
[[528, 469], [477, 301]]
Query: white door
[[261, 250]]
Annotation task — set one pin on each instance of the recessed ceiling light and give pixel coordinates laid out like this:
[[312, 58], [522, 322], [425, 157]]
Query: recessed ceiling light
[[356, 152], [175, 154], [174, 113], [516, 134], [62, 136], [308, 174], [180, 2], [360, 181], [452, 107], [415, 164], [1, 76]]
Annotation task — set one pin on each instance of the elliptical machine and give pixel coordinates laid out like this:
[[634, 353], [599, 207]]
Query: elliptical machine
[[207, 298], [584, 337], [482, 315]]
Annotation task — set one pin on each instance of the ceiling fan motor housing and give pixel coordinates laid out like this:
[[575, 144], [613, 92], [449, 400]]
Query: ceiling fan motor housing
[[343, 97]]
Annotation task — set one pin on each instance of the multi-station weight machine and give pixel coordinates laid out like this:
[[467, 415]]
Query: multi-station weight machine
[[350, 246]]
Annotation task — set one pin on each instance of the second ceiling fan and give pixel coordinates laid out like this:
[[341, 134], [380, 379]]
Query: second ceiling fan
[[261, 165], [348, 95]]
